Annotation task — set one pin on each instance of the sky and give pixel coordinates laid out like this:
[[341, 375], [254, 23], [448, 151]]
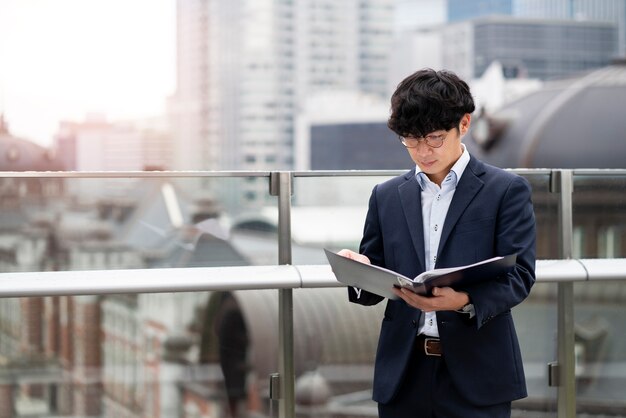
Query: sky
[[65, 59]]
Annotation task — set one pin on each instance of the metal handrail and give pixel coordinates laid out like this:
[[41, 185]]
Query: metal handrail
[[165, 280], [259, 173], [130, 174]]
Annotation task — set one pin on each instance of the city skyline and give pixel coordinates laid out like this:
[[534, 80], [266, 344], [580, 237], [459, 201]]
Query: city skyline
[[35, 103], [72, 60]]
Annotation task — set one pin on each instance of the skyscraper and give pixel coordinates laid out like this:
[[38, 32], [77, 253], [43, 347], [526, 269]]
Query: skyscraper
[[613, 11], [245, 66], [532, 48]]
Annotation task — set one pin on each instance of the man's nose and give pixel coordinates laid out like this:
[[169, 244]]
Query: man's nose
[[422, 148]]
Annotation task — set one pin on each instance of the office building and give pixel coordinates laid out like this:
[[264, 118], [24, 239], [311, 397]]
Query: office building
[[244, 68], [100, 145], [347, 132], [612, 11], [530, 48], [96, 144]]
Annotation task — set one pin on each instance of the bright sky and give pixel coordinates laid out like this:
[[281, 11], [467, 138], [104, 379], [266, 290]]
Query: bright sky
[[63, 59]]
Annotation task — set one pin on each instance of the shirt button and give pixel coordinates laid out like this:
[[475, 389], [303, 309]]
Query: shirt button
[[436, 227], [438, 196], [430, 322]]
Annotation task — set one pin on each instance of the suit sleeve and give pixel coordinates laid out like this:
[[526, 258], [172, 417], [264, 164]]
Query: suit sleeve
[[515, 233], [372, 247]]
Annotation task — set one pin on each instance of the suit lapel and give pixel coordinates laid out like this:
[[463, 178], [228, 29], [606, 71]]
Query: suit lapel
[[465, 191], [411, 198]]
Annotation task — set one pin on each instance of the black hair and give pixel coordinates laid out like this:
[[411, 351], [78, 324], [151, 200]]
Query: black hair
[[428, 101]]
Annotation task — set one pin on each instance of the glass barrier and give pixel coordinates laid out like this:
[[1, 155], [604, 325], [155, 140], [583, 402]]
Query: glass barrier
[[328, 212], [137, 355], [334, 348], [125, 223], [599, 220], [600, 348], [536, 325], [325, 385], [545, 204], [208, 353], [536, 317], [147, 355]]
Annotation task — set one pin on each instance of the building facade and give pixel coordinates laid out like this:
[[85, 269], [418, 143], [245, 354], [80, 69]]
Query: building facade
[[529, 48], [612, 11], [99, 145], [245, 67]]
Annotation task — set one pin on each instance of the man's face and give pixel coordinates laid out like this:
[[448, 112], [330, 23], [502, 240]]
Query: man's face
[[437, 162]]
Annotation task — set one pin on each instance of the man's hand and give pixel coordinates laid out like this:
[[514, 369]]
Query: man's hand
[[354, 256], [442, 299]]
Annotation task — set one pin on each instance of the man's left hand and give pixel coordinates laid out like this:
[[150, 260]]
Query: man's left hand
[[442, 299]]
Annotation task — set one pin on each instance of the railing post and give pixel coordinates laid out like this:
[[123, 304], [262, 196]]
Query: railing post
[[281, 186], [562, 182]]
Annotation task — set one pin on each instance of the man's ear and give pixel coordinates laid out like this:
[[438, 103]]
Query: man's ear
[[466, 121]]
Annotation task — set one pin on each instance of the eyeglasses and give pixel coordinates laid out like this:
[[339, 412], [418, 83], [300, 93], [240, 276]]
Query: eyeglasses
[[433, 141]]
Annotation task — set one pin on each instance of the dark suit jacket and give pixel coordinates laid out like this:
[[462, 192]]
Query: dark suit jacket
[[490, 215]]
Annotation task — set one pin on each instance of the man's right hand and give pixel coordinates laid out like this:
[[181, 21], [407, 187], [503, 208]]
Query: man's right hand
[[354, 256]]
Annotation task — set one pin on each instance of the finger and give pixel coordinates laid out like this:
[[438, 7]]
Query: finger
[[345, 253], [415, 300], [354, 256], [348, 254], [442, 291]]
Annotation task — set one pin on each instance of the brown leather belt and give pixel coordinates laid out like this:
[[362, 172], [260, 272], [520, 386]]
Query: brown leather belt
[[430, 346]]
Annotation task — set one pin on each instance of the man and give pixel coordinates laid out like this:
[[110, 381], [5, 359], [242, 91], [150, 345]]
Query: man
[[455, 353]]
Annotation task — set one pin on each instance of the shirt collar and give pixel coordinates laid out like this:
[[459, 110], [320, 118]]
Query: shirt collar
[[455, 172]]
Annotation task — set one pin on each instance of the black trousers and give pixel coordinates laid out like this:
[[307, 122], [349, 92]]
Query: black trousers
[[428, 392]]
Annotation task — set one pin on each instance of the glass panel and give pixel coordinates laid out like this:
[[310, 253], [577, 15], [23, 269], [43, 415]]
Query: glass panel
[[147, 355], [335, 344], [545, 204], [600, 348], [334, 347], [335, 341], [599, 310], [536, 325], [599, 217], [340, 204], [328, 212], [125, 223], [536, 317]]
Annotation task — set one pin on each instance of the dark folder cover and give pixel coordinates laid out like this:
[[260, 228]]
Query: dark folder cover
[[380, 280]]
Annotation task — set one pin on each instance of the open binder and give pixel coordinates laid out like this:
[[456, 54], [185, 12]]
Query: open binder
[[381, 281]]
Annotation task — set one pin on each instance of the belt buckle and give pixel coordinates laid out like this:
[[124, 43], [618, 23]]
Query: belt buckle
[[426, 341]]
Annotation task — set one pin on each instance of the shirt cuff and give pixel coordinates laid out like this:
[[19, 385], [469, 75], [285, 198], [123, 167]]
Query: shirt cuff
[[468, 310]]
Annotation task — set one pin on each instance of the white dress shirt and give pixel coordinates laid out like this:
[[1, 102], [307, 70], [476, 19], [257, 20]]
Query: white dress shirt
[[435, 204]]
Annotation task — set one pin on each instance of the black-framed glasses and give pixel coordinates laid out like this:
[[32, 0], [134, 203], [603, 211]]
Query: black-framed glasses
[[433, 141]]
